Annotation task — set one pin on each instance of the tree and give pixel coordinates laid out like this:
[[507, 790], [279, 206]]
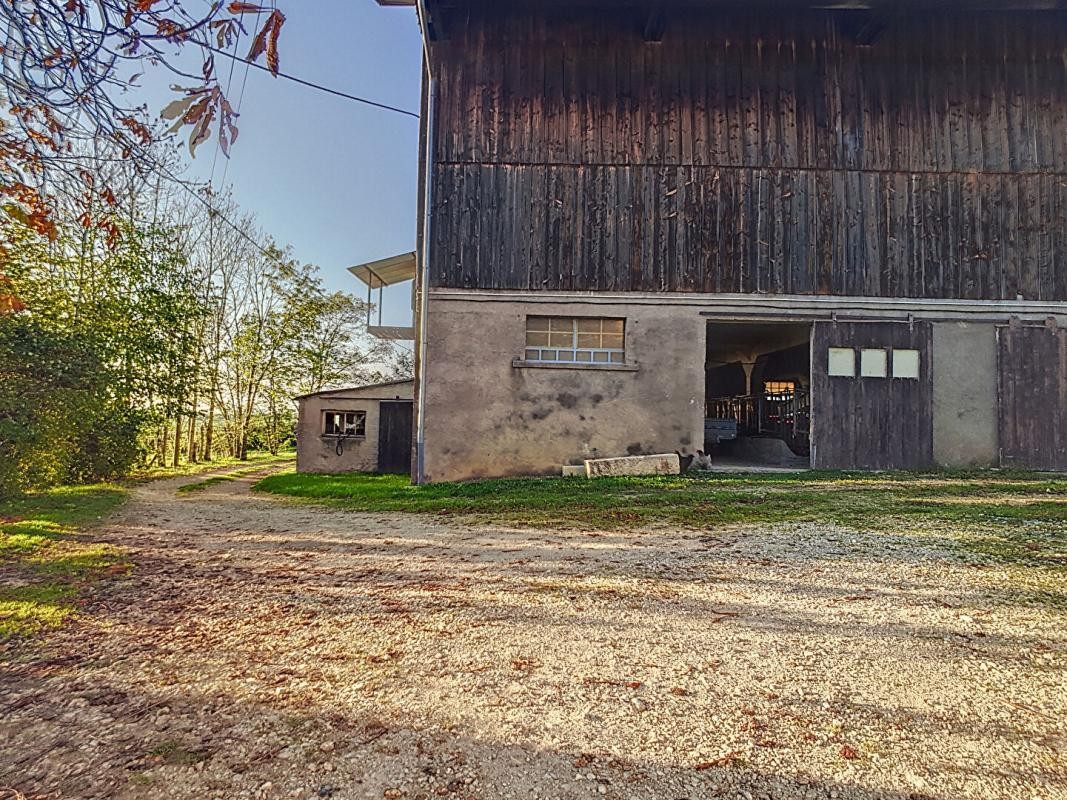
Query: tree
[[92, 355], [64, 63]]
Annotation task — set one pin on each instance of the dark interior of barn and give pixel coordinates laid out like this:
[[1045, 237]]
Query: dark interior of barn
[[757, 394]]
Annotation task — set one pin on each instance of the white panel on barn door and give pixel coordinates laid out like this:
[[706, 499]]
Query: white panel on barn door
[[906, 364], [841, 362], [873, 363]]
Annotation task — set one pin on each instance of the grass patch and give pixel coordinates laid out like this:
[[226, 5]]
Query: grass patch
[[1001, 517], [215, 480], [260, 458], [869, 499], [175, 753], [45, 558]]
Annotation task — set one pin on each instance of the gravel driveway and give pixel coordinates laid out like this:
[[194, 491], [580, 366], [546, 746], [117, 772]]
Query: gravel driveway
[[267, 649]]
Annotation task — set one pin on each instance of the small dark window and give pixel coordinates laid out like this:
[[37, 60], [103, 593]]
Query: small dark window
[[345, 423]]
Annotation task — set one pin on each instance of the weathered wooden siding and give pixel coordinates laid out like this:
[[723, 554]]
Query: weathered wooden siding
[[1033, 397], [754, 154], [871, 423]]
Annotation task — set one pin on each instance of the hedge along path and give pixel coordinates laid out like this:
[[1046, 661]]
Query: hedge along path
[[266, 649]]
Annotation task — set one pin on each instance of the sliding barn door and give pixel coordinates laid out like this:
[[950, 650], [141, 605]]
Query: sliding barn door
[[1033, 397], [871, 395]]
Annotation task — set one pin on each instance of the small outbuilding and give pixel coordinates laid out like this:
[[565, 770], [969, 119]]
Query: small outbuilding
[[356, 429]]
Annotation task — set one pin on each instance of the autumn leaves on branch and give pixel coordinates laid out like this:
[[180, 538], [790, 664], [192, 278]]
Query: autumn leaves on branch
[[64, 66]]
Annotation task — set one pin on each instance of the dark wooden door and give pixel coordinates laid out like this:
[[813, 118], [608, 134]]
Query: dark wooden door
[[1033, 396], [872, 422], [394, 437]]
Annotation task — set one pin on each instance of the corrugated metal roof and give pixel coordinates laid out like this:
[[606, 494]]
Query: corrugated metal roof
[[386, 271]]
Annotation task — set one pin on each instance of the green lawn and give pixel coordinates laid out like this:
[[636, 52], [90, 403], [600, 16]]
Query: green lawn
[[46, 559], [260, 458], [225, 477], [1015, 517]]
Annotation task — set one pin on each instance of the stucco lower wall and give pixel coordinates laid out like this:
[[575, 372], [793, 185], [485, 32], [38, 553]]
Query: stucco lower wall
[[317, 453], [965, 394], [486, 417]]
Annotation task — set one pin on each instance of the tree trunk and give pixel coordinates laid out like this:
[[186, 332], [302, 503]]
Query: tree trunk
[[209, 428], [191, 453], [161, 443], [177, 438]]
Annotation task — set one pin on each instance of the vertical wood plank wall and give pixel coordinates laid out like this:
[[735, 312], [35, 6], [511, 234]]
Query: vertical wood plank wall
[[1033, 397], [753, 153], [872, 423]]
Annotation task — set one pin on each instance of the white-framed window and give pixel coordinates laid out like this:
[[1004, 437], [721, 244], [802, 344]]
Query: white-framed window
[[344, 423], [841, 362], [580, 340], [873, 363], [906, 364]]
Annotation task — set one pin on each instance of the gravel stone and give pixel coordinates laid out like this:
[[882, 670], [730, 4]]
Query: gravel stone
[[268, 648]]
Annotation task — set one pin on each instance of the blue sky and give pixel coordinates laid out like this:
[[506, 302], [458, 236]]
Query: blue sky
[[335, 179]]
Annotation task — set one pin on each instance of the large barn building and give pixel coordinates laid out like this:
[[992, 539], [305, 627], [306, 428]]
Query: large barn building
[[649, 227]]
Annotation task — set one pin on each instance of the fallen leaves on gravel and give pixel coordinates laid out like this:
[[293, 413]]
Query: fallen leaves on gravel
[[849, 752]]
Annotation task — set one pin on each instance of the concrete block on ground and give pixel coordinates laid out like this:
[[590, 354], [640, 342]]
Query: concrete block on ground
[[662, 464], [574, 471]]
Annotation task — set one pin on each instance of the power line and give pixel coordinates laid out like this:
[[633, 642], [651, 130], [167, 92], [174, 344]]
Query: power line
[[312, 85]]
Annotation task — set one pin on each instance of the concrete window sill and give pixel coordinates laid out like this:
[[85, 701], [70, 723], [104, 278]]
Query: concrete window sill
[[332, 437], [519, 363]]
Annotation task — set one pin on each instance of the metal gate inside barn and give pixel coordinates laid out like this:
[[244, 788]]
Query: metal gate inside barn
[[871, 395], [394, 437], [1033, 396]]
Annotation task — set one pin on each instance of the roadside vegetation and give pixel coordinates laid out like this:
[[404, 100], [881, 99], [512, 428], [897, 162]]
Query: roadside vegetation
[[1011, 518], [46, 560]]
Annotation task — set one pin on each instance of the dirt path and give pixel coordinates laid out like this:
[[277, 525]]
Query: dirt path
[[263, 649]]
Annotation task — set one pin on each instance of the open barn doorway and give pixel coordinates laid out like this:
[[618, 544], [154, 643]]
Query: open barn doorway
[[758, 394]]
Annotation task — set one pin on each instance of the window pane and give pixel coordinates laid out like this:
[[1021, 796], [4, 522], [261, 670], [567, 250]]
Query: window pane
[[612, 341], [583, 355], [842, 362], [600, 358], [778, 387], [588, 325], [591, 340], [617, 357], [566, 355], [562, 324], [872, 363], [548, 355], [612, 325], [905, 363], [561, 339], [537, 323], [536, 339], [533, 355]]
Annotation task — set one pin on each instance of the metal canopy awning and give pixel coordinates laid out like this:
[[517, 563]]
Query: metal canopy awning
[[386, 271], [378, 275]]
